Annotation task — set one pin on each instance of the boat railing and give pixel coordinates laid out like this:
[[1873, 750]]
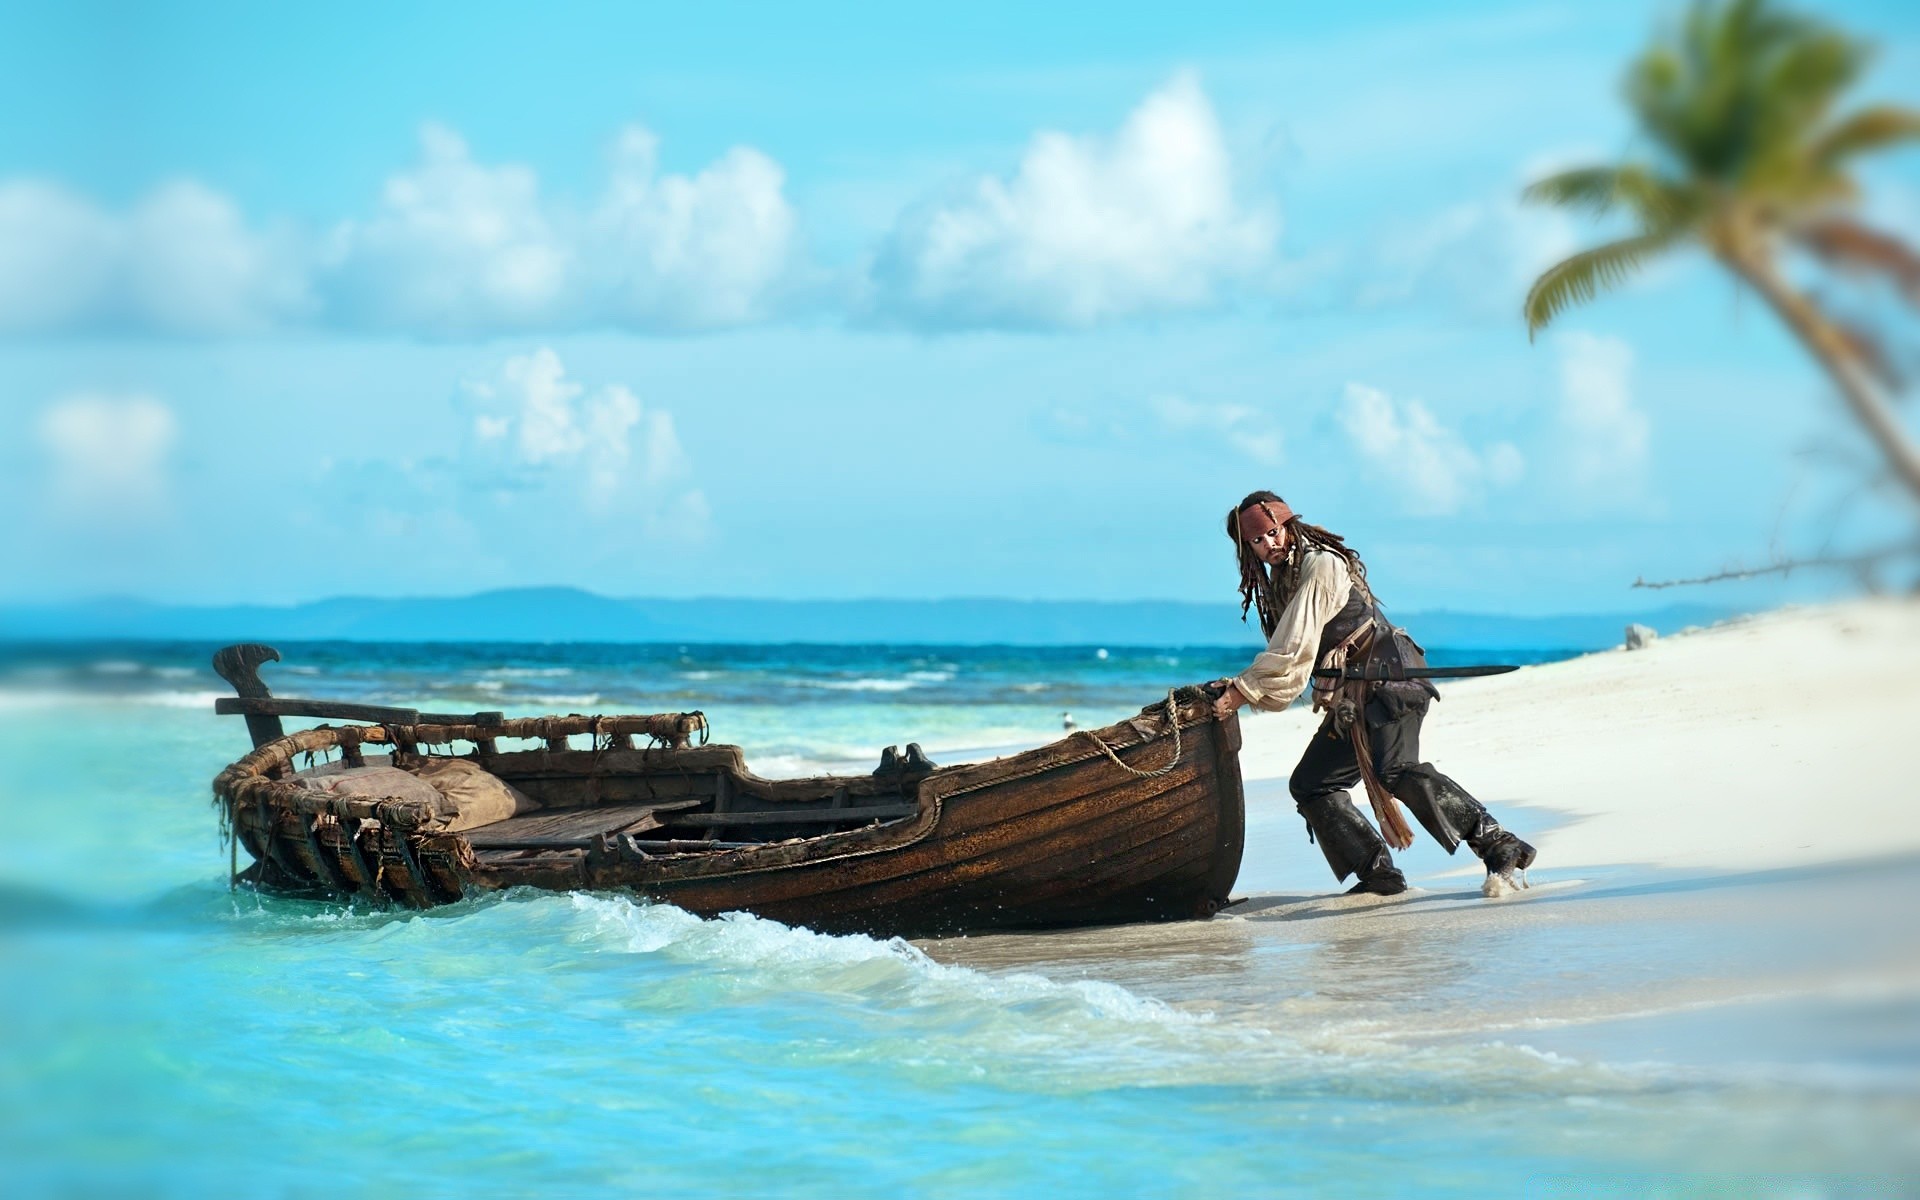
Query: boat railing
[[265, 773]]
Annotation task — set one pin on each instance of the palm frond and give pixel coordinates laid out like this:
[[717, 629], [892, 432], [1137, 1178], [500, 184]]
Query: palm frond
[[1737, 86], [1660, 204], [1880, 127], [1592, 189], [1850, 246], [1580, 278], [1798, 84]]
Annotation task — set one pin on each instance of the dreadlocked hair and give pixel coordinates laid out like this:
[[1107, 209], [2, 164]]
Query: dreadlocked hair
[[1267, 590]]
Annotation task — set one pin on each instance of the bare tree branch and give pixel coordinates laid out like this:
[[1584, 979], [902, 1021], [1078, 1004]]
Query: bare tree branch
[[1855, 562]]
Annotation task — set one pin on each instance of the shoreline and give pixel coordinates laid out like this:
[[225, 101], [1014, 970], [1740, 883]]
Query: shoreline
[[1764, 742]]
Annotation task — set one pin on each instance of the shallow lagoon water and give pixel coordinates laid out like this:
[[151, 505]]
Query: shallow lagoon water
[[1665, 1035]]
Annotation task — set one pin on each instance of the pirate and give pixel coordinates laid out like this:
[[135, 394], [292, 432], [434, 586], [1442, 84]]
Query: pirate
[[1311, 594]]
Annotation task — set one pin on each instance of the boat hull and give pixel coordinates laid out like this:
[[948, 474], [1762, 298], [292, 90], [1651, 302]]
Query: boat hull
[[1063, 835]]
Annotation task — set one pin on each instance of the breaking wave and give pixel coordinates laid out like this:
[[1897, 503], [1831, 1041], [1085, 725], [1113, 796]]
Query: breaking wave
[[856, 685]]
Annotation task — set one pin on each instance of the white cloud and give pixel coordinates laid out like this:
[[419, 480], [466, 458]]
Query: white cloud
[[57, 253], [454, 246], [459, 246], [1239, 425], [1432, 467], [691, 251], [1086, 229], [108, 456], [1605, 436], [600, 447], [192, 265], [182, 260]]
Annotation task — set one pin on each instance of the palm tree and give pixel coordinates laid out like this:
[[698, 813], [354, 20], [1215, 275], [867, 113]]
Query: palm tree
[[1748, 159]]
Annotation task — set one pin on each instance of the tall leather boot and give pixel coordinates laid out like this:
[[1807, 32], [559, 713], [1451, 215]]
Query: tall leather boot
[[1448, 812], [1352, 846]]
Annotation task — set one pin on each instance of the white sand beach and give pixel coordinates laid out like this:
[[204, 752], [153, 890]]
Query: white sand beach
[[1773, 741], [1729, 849]]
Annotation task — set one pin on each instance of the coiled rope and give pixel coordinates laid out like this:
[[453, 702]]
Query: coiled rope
[[1173, 719]]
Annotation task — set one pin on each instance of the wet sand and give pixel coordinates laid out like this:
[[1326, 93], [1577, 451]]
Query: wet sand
[[1730, 848]]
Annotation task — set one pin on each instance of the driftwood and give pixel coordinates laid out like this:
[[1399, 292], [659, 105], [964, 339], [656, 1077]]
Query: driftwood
[[1142, 820]]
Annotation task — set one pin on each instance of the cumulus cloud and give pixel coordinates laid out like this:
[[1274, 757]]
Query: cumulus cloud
[[1240, 426], [193, 265], [1432, 467], [57, 253], [452, 246], [108, 457], [182, 260], [694, 251], [599, 447], [1086, 229], [1604, 434], [458, 246]]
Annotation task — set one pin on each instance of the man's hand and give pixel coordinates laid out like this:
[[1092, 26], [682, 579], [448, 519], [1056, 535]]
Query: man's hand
[[1229, 700]]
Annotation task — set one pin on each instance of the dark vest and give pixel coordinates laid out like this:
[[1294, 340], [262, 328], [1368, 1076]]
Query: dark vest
[[1359, 610], [1389, 645]]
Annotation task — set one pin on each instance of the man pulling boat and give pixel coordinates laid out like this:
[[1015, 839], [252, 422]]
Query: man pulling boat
[[1326, 630]]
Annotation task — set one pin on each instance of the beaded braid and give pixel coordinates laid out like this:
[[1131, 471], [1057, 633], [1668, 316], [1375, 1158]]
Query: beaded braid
[[1268, 590]]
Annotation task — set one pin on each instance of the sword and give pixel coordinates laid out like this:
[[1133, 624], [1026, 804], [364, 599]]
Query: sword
[[1389, 672]]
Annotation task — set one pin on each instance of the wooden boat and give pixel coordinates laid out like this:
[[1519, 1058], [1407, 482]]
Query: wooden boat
[[1142, 820]]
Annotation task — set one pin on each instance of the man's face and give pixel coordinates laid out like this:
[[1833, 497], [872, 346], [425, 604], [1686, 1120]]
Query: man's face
[[1266, 538]]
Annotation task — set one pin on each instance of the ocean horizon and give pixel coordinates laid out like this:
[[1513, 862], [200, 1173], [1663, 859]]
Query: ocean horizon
[[529, 616]]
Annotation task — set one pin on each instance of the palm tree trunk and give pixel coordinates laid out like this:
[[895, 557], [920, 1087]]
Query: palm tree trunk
[[1830, 348]]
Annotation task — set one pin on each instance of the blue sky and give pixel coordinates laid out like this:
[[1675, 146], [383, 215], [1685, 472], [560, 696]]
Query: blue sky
[[817, 301]]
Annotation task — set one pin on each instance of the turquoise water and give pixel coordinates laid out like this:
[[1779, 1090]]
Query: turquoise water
[[163, 1036]]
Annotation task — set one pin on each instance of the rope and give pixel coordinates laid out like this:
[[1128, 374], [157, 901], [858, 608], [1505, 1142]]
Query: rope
[[1173, 719]]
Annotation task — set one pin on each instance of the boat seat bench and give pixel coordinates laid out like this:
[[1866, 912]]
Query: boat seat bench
[[579, 824]]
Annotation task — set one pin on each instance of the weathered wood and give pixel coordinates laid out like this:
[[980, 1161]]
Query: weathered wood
[[1056, 835], [240, 667], [369, 878], [722, 801], [805, 816], [326, 866], [583, 823], [420, 893], [685, 846], [652, 845], [348, 711]]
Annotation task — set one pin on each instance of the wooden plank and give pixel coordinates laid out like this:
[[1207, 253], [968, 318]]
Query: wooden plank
[[988, 862], [346, 711], [328, 866], [938, 861], [514, 765], [812, 816], [570, 823], [1054, 788], [369, 878], [722, 801], [984, 889], [650, 845], [1022, 884]]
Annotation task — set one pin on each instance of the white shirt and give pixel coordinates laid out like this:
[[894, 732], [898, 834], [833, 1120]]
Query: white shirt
[[1283, 670]]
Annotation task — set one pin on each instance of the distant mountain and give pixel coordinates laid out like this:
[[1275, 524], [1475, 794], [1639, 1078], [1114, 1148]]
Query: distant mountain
[[571, 615]]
